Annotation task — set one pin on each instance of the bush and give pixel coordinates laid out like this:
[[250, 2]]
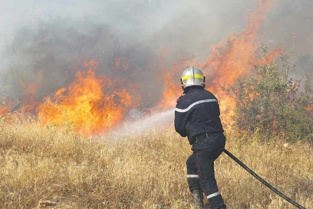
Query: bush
[[273, 103]]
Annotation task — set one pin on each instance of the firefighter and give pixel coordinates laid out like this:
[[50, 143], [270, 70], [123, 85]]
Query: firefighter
[[197, 117]]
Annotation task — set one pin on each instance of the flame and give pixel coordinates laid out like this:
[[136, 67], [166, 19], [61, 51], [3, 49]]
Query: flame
[[228, 60], [29, 104], [9, 106], [171, 81], [236, 56], [92, 104], [170, 92], [4, 108]]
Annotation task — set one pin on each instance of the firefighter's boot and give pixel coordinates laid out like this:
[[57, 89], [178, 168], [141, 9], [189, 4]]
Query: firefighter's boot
[[217, 202], [197, 199]]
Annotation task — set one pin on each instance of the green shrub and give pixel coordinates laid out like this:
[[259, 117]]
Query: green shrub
[[273, 103]]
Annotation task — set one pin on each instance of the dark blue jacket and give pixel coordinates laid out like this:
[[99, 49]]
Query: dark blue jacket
[[197, 111]]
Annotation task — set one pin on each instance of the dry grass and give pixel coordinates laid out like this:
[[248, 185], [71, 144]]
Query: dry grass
[[50, 167]]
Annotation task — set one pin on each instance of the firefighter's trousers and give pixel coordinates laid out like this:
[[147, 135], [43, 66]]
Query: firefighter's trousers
[[200, 167]]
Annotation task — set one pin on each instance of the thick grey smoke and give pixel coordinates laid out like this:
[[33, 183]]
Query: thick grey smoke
[[47, 41]]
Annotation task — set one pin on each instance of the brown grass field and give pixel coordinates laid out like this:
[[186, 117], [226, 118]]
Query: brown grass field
[[49, 167]]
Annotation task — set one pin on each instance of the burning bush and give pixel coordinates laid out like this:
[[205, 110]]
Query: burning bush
[[273, 103]]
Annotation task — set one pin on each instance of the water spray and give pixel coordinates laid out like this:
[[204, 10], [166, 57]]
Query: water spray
[[263, 181]]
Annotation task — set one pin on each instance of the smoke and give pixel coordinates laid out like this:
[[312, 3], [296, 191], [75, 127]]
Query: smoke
[[289, 27], [46, 42]]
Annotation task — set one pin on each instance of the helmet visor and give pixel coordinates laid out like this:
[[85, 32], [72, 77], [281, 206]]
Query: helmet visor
[[189, 80]]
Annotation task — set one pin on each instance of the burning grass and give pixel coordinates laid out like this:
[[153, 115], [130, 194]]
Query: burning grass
[[44, 166]]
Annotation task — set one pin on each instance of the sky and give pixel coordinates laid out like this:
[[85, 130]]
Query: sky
[[50, 37]]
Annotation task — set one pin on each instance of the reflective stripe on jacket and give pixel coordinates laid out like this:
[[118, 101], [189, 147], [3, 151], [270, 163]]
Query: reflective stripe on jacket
[[197, 111]]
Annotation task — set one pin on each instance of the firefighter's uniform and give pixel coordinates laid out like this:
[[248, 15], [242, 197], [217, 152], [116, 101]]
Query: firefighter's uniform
[[197, 117]]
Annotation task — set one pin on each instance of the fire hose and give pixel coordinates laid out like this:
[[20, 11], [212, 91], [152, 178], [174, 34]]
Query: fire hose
[[263, 181]]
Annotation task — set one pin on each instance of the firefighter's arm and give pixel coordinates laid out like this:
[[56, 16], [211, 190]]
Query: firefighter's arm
[[180, 119], [180, 124]]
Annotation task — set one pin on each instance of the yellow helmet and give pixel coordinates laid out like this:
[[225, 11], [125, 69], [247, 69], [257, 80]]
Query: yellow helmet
[[192, 77]]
